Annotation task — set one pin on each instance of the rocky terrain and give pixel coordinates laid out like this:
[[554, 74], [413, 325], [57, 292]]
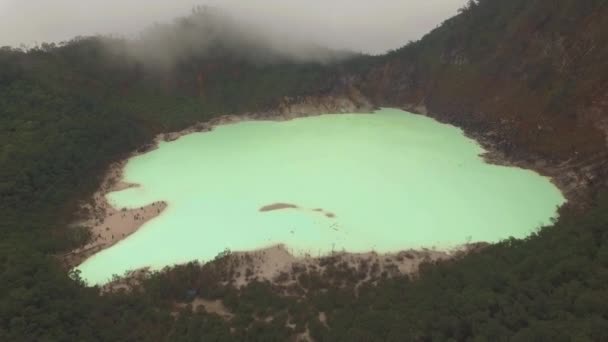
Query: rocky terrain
[[532, 91]]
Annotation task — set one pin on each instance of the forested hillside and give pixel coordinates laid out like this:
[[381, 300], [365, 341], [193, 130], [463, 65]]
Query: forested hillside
[[531, 77]]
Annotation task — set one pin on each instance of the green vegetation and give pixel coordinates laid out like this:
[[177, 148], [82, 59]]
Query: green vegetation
[[68, 111]]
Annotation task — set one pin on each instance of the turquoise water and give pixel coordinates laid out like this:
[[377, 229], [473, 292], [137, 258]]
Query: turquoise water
[[385, 181]]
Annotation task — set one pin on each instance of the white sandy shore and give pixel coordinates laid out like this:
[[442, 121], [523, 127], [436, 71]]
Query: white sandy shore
[[276, 265], [107, 224], [270, 263]]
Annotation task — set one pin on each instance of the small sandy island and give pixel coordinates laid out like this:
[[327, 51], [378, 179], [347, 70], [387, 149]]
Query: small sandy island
[[278, 206], [281, 206]]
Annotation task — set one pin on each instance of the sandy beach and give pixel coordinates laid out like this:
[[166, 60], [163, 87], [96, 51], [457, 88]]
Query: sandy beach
[[276, 264], [109, 225], [273, 263]]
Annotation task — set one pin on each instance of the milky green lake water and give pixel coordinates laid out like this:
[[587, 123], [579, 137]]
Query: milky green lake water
[[385, 181]]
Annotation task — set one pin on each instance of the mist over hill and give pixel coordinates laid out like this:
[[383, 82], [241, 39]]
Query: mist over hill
[[362, 26], [213, 33]]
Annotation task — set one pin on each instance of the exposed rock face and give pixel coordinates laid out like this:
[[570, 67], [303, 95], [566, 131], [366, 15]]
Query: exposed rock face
[[349, 100], [346, 99], [533, 97], [573, 151]]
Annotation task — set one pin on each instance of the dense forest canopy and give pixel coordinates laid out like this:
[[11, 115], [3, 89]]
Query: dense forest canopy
[[67, 111]]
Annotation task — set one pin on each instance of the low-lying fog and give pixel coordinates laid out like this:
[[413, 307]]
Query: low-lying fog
[[362, 26]]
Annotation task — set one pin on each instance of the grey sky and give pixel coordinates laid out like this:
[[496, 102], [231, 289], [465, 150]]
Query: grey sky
[[372, 26]]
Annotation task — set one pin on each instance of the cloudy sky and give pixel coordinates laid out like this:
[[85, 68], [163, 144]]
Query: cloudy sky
[[371, 26]]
